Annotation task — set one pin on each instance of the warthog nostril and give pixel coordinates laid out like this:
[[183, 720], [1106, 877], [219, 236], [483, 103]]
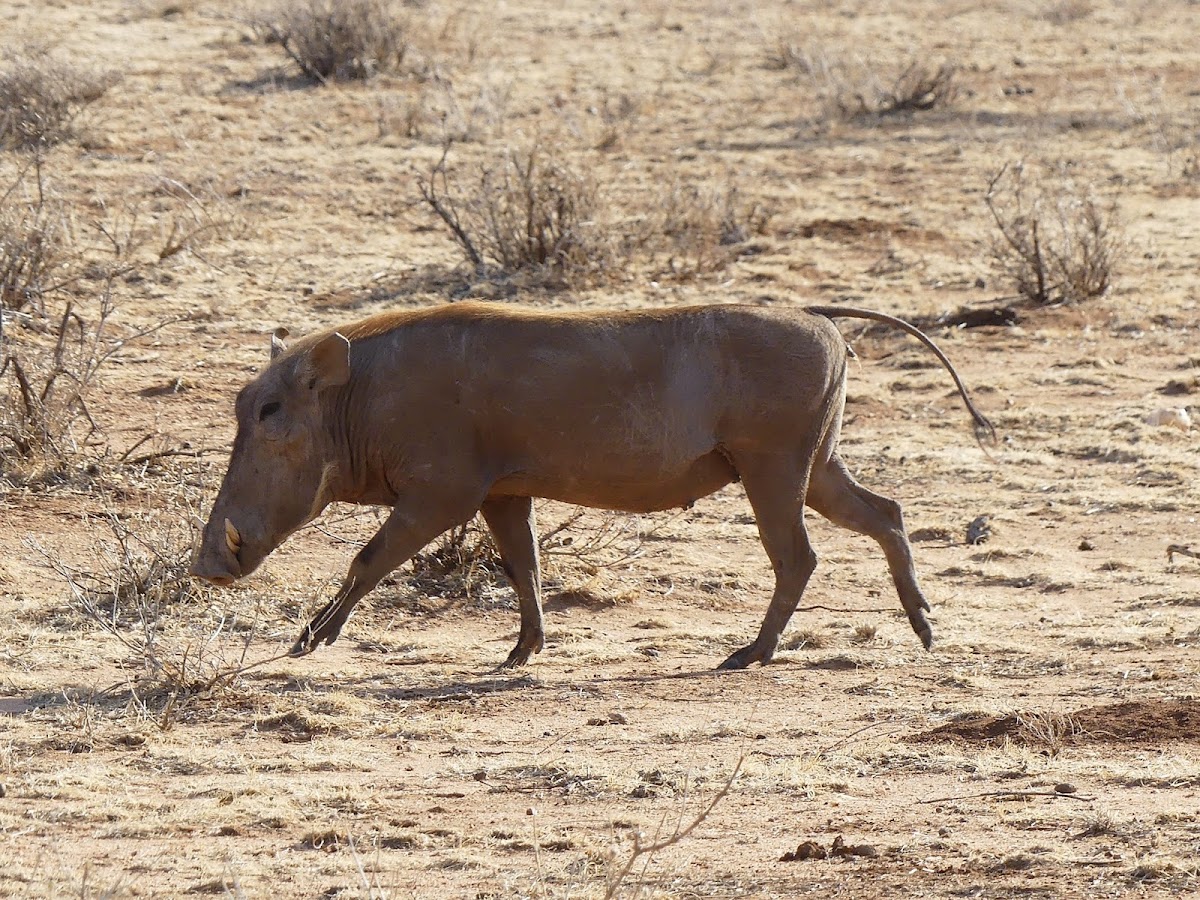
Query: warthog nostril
[[220, 580]]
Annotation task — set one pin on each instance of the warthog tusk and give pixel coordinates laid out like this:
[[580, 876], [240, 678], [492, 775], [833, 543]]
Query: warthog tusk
[[233, 540]]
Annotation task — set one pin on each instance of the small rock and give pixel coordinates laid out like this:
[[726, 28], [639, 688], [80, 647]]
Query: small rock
[[979, 530], [1085, 544], [1065, 787], [1172, 418]]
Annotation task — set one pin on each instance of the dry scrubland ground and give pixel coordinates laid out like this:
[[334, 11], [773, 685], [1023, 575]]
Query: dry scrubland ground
[[137, 760]]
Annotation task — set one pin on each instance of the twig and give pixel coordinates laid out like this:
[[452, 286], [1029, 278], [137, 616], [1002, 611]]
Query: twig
[[446, 211], [640, 849], [855, 733], [174, 451], [1182, 551], [882, 609], [1016, 794]]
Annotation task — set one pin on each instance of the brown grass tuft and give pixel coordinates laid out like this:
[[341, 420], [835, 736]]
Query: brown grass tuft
[[41, 96], [339, 39]]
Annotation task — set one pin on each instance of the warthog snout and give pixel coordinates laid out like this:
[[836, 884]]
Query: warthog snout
[[218, 561]]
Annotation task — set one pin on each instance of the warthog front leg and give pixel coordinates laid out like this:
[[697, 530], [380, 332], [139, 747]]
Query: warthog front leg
[[775, 486], [512, 524], [401, 536]]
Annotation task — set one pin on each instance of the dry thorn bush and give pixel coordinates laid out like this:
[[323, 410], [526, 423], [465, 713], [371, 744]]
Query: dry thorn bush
[[1057, 242], [41, 96], [440, 112], [852, 88], [338, 39], [700, 229], [136, 588], [527, 212], [57, 307], [35, 235]]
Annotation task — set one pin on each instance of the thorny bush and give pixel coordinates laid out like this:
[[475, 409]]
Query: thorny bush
[[1056, 242]]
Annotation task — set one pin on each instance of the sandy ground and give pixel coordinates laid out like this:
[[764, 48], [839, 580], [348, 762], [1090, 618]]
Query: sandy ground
[[1048, 746]]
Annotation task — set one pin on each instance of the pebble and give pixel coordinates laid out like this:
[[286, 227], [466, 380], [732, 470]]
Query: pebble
[[1065, 787]]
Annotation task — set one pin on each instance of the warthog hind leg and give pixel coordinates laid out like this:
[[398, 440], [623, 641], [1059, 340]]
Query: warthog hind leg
[[512, 524], [835, 494]]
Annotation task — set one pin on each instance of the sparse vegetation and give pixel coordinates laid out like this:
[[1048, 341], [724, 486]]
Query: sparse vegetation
[[136, 588], [914, 87], [35, 238], [339, 39], [219, 182], [856, 88], [1057, 242], [41, 95], [529, 212], [698, 229]]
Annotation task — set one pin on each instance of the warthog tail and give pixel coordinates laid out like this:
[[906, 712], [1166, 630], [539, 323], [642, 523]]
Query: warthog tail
[[984, 429]]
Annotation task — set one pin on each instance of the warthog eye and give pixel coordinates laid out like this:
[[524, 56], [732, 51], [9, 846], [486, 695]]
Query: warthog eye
[[268, 409]]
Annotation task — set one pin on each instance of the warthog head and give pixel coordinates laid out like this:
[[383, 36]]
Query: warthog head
[[279, 471]]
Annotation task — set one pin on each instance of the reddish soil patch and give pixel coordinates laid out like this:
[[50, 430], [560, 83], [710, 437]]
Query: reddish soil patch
[[1138, 723]]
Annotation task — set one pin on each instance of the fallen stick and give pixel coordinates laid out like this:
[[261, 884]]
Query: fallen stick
[[1182, 551], [1010, 794]]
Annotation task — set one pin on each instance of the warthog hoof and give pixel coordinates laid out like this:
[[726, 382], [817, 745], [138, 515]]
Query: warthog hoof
[[921, 626], [746, 656], [304, 644]]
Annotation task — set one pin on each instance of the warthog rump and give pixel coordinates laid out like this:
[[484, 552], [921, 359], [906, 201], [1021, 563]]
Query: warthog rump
[[472, 407]]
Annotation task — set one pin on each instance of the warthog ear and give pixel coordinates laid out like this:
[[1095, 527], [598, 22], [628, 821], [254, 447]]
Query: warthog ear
[[329, 362], [277, 344]]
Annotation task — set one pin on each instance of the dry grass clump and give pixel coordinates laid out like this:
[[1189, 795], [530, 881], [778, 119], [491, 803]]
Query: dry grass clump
[[864, 92], [339, 39], [700, 229], [134, 585], [1057, 242], [854, 88], [35, 235], [527, 212], [41, 95], [441, 111]]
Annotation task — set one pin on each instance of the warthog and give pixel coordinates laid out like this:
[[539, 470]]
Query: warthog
[[474, 407]]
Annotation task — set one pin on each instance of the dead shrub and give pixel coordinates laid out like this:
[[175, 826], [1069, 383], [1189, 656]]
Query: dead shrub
[[854, 88], [41, 96], [135, 586], [339, 39], [439, 111], [35, 235], [178, 218], [914, 87], [47, 382], [700, 229], [459, 563], [528, 212], [1065, 12], [1057, 242]]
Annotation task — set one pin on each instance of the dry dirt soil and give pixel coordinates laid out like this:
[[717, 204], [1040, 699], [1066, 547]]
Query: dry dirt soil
[[153, 740]]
